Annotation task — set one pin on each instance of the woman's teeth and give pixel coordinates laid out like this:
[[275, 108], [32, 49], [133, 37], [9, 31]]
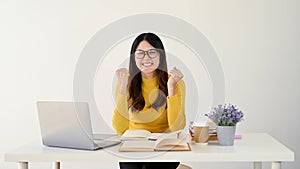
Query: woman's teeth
[[147, 64]]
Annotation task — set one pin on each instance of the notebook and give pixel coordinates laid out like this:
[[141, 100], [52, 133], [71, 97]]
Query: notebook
[[68, 125]]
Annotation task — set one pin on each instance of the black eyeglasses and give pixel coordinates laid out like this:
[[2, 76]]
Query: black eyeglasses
[[140, 54]]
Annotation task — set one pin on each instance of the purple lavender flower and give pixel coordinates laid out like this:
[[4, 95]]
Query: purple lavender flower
[[225, 115]]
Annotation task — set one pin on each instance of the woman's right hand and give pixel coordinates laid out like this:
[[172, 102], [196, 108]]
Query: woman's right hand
[[122, 75]]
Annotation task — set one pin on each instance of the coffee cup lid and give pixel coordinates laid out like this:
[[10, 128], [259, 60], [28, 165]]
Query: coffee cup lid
[[200, 124]]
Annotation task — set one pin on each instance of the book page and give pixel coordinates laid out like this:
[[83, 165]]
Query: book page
[[161, 145], [139, 134], [172, 144], [135, 134], [155, 136], [137, 145], [160, 136]]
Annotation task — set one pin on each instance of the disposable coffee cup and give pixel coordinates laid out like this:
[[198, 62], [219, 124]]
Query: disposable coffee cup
[[201, 134]]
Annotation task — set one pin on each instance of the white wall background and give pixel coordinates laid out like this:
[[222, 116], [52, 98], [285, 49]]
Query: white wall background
[[257, 43]]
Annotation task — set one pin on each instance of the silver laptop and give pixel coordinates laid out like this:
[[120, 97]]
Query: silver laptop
[[68, 124]]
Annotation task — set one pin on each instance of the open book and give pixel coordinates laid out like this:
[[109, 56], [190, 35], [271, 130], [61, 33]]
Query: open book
[[166, 144], [143, 140], [141, 134]]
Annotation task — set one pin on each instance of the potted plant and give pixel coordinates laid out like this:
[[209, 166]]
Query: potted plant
[[226, 117]]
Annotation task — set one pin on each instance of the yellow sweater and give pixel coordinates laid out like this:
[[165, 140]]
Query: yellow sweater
[[157, 121]]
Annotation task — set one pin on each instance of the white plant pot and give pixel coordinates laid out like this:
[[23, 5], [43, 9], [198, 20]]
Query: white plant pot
[[226, 135]]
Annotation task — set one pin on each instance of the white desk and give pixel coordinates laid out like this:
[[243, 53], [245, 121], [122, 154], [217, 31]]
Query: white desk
[[253, 147]]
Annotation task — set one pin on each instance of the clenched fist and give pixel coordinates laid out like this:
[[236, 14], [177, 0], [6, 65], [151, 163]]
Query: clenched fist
[[122, 75], [175, 77]]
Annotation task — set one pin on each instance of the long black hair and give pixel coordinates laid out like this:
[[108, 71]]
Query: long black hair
[[136, 99]]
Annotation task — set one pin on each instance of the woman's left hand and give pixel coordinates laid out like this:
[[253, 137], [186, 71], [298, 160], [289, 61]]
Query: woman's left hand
[[176, 76]]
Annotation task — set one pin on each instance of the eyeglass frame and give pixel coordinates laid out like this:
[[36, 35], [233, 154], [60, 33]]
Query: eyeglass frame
[[146, 52]]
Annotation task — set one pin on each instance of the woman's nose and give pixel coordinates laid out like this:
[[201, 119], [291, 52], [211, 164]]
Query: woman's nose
[[147, 57]]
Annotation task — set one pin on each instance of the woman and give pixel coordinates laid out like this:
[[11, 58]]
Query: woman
[[147, 97]]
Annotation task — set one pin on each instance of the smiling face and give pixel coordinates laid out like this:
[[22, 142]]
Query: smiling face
[[146, 64]]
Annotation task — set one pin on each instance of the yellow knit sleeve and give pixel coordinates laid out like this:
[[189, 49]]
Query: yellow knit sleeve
[[120, 119], [176, 108]]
